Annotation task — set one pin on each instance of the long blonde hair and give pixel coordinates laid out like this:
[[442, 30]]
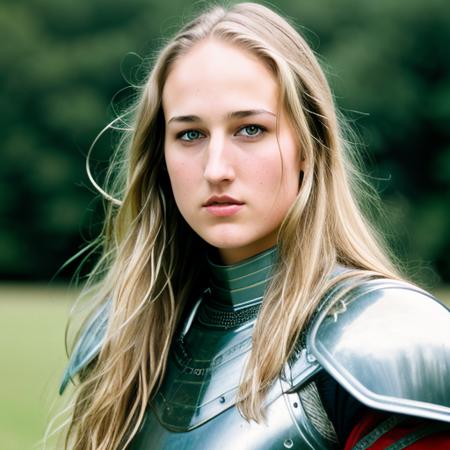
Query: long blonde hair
[[150, 257]]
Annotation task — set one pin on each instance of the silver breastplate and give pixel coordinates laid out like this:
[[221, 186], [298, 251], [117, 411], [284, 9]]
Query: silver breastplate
[[195, 406]]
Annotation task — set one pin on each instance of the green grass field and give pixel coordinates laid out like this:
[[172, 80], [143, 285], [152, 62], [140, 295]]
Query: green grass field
[[32, 324]]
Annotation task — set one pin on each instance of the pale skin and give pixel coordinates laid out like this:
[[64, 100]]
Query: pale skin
[[221, 107]]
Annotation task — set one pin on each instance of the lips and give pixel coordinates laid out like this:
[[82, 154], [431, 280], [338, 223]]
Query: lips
[[222, 200], [223, 205]]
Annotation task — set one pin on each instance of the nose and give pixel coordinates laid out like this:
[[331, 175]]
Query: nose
[[218, 164]]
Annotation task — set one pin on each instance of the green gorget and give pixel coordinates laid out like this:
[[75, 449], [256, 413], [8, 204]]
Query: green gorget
[[243, 284], [235, 291]]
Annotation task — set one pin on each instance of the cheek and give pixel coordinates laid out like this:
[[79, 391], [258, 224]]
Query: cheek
[[181, 171], [278, 181], [182, 180], [264, 170]]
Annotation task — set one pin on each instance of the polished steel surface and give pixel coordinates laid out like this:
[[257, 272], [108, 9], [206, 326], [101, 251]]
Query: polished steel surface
[[287, 426], [202, 377], [230, 431], [88, 346], [388, 344], [195, 407]]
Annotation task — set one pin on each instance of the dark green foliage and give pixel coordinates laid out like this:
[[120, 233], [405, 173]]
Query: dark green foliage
[[63, 62]]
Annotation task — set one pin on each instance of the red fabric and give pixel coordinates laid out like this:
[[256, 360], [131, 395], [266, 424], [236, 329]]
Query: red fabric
[[436, 441]]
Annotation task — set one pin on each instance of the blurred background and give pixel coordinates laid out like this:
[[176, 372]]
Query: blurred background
[[66, 68]]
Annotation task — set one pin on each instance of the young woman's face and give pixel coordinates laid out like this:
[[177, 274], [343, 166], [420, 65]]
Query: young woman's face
[[223, 153]]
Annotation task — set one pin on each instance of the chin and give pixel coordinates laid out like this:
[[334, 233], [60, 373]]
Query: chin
[[239, 242], [225, 235], [228, 244]]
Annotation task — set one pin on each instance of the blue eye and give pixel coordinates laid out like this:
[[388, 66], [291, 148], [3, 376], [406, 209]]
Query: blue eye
[[189, 135], [252, 130]]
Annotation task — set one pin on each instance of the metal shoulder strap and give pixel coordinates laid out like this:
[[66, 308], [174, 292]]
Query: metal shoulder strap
[[88, 345], [388, 344]]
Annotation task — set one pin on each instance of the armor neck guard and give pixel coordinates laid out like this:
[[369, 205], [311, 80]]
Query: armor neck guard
[[236, 286], [235, 292]]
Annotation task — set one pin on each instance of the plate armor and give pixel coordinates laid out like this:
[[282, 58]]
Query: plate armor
[[386, 342]]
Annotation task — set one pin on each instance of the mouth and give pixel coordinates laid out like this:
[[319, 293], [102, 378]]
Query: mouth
[[222, 203], [223, 208], [222, 200]]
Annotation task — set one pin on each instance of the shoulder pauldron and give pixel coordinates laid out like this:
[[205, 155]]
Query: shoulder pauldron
[[388, 344]]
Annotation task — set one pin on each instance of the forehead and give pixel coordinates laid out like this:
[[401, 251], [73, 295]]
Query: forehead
[[216, 75]]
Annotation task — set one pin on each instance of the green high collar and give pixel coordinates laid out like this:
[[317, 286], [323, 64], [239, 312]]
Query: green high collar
[[238, 286]]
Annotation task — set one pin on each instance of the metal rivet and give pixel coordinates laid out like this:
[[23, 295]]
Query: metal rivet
[[295, 405], [222, 399], [288, 443]]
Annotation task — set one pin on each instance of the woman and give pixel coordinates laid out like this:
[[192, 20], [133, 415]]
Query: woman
[[244, 302]]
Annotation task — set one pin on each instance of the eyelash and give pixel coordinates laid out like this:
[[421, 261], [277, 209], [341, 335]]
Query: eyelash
[[262, 130]]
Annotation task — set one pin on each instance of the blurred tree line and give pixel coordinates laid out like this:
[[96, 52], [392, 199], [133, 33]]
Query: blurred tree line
[[65, 66]]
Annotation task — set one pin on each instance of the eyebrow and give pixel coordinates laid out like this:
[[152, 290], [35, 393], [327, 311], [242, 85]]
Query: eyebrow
[[231, 115]]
